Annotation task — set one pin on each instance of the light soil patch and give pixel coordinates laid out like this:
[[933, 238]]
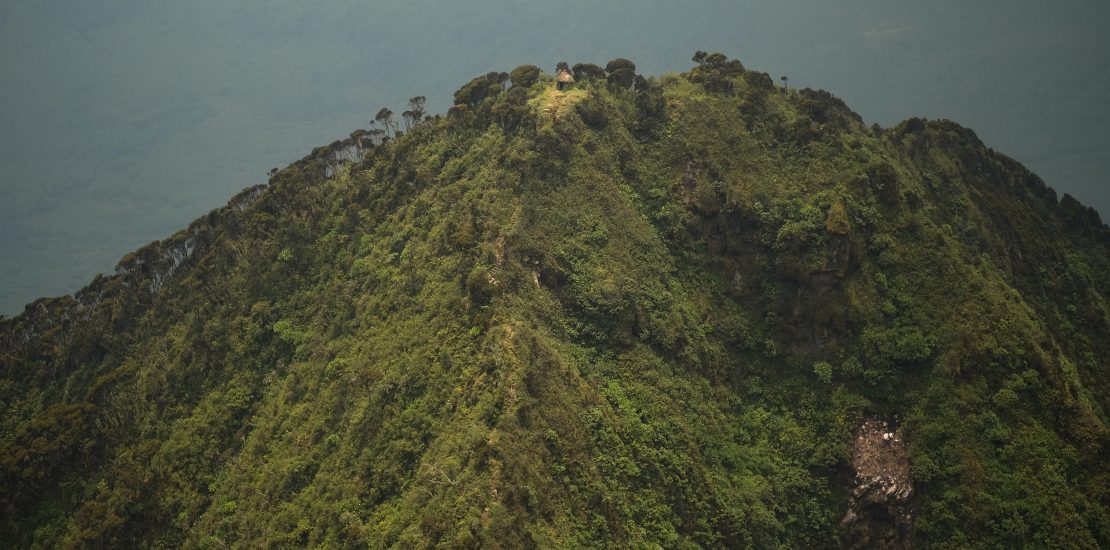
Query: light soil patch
[[554, 104], [880, 505]]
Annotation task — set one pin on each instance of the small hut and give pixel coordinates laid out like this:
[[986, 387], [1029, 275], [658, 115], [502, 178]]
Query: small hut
[[563, 79]]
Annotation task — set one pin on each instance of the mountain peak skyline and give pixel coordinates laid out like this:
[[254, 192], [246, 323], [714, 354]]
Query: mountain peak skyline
[[124, 122]]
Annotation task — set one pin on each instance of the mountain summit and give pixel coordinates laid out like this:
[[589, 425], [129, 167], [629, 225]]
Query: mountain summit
[[699, 310]]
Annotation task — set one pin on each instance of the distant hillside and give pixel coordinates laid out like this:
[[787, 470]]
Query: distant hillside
[[699, 310]]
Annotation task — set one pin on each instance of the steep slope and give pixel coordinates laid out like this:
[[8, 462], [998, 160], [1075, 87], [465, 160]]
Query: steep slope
[[632, 313]]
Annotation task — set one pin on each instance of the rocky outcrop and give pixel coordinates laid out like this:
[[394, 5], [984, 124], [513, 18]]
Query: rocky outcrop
[[880, 507]]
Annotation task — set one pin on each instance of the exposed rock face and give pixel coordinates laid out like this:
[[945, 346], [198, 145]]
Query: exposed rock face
[[880, 509]]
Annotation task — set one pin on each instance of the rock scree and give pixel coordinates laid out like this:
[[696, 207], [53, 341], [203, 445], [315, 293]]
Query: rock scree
[[880, 506]]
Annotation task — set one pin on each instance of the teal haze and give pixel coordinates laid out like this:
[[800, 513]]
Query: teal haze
[[123, 120]]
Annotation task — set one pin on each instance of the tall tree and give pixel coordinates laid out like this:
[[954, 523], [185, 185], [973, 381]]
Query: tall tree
[[416, 105], [385, 117], [415, 114]]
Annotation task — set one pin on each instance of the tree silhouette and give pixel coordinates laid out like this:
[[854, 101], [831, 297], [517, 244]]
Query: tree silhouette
[[716, 59], [377, 135], [525, 75], [622, 73], [415, 114], [416, 104], [715, 71], [474, 91], [583, 71], [385, 117], [618, 64], [361, 141]]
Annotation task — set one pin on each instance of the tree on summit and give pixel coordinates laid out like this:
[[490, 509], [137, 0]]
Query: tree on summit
[[715, 71], [525, 75], [622, 72], [619, 64], [481, 87], [584, 71], [498, 79]]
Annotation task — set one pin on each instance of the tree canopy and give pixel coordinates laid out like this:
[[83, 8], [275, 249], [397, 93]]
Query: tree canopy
[[657, 315], [525, 75]]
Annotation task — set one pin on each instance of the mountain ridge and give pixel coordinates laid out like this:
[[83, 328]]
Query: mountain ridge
[[652, 314]]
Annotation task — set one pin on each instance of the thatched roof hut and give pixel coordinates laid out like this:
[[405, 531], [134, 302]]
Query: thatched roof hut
[[563, 78]]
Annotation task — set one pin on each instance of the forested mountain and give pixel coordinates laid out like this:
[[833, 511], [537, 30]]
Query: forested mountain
[[699, 310]]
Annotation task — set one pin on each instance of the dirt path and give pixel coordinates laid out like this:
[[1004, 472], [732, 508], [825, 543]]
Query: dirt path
[[555, 103]]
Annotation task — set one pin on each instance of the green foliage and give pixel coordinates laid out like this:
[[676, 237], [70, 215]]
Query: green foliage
[[716, 71], [621, 73], [478, 89], [593, 111], [587, 71], [525, 75], [619, 64], [824, 371], [641, 313]]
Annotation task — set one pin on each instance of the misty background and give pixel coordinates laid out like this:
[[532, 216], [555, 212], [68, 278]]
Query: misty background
[[121, 121]]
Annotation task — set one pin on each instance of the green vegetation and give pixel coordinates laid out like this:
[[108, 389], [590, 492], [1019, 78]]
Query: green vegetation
[[638, 313]]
